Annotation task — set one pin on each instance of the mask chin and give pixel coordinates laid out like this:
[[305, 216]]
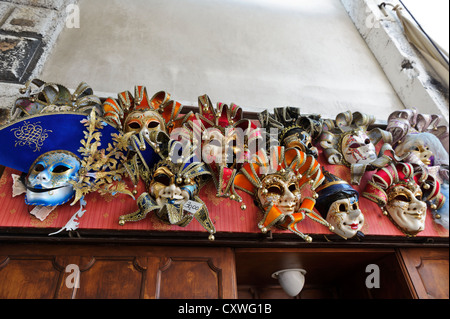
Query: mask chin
[[49, 197], [48, 181]]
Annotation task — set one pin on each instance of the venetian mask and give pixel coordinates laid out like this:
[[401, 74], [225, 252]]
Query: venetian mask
[[281, 190], [143, 122], [338, 202], [406, 208], [226, 141], [357, 148], [403, 191], [173, 190], [346, 217], [418, 146], [419, 138], [48, 180], [347, 141], [288, 128], [277, 182]]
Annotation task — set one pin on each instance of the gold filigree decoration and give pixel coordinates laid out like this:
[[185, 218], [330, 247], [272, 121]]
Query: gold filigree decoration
[[30, 134], [101, 169]]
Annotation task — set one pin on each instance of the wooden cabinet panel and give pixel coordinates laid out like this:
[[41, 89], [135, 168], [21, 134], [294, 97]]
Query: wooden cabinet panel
[[25, 278], [39, 271], [428, 271], [113, 278], [190, 278]]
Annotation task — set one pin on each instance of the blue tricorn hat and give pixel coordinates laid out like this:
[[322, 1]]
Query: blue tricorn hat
[[26, 139], [332, 189]]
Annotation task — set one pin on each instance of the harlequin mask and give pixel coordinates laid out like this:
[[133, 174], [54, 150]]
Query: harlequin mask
[[175, 181], [347, 141], [293, 129], [277, 187], [281, 189], [357, 148], [48, 179], [151, 119], [418, 137], [403, 191], [406, 208], [338, 202], [168, 188], [226, 140]]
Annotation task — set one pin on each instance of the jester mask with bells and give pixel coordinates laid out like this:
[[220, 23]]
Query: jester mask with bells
[[420, 138], [150, 120], [41, 97], [173, 190], [347, 141], [338, 203], [63, 156], [226, 141], [403, 191], [291, 129], [277, 182]]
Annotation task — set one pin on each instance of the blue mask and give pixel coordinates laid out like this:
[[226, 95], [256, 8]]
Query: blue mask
[[48, 179]]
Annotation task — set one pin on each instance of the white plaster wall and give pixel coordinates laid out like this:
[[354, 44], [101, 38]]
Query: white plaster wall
[[258, 54]]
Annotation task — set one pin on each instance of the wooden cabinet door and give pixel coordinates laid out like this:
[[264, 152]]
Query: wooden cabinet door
[[428, 271], [47, 271]]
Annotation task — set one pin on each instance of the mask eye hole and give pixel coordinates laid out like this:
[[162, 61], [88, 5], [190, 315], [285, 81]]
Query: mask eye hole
[[134, 125], [162, 179], [39, 168], [60, 169], [274, 190], [153, 124], [292, 188], [355, 206], [419, 197], [342, 207], [354, 145], [401, 198]]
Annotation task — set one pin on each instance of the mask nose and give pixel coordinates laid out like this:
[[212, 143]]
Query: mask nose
[[354, 213], [287, 196], [43, 177], [171, 191], [145, 132], [416, 205]]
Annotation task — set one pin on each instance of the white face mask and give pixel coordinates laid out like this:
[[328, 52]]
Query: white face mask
[[416, 145], [282, 191], [357, 148], [346, 217], [406, 209]]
